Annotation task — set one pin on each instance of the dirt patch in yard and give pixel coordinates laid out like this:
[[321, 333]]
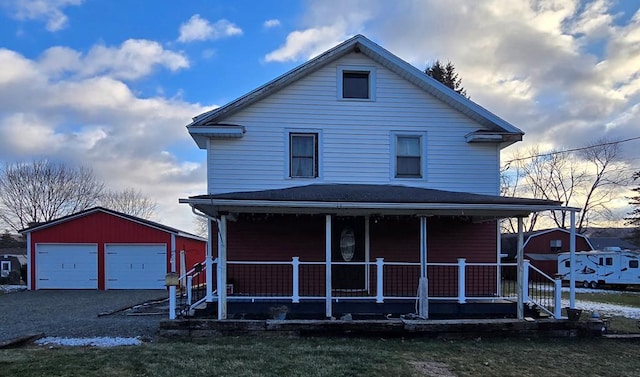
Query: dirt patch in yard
[[433, 369]]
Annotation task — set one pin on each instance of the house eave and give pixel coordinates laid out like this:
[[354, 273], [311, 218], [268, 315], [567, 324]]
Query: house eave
[[201, 134]]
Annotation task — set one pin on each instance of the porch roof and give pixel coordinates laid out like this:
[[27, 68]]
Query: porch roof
[[363, 199]]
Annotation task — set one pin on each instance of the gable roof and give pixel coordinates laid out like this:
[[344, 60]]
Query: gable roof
[[125, 216], [360, 44], [509, 241]]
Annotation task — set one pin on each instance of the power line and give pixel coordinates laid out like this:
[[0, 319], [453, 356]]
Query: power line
[[553, 153]]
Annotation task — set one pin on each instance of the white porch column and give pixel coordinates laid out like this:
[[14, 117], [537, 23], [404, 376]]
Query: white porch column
[[327, 259], [423, 286], [29, 262], [499, 259], [295, 265], [572, 262], [462, 280], [221, 285], [520, 259], [208, 264], [367, 254], [172, 288]]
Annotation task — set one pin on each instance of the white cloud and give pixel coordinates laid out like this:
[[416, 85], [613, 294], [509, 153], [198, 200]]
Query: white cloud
[[49, 11], [200, 29], [271, 23], [68, 111], [306, 44]]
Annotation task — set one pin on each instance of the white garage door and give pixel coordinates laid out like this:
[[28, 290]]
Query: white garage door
[[66, 266], [136, 266]]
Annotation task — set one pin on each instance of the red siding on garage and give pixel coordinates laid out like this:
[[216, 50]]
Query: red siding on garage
[[104, 228], [541, 244], [195, 251]]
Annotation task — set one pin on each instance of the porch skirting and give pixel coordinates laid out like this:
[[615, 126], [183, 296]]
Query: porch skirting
[[198, 328]]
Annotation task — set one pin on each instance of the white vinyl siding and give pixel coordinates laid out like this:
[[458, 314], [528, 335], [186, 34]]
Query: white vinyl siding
[[355, 142]]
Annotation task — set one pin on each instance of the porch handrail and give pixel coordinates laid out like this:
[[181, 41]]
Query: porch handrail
[[295, 294], [557, 289]]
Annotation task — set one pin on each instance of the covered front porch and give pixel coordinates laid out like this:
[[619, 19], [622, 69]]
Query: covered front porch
[[364, 251]]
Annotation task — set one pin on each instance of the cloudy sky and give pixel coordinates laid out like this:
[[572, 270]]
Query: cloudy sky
[[111, 84]]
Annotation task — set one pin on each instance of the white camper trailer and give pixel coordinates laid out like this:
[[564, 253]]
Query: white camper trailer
[[611, 266]]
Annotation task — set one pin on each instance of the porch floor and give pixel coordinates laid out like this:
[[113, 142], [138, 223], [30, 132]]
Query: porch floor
[[394, 327]]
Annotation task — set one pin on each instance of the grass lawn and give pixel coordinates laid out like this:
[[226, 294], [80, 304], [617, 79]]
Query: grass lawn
[[279, 356]]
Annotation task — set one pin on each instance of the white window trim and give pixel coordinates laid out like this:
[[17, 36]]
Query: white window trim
[[423, 155], [6, 266], [287, 152], [357, 68]]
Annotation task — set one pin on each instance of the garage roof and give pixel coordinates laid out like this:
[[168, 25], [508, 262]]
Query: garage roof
[[93, 210]]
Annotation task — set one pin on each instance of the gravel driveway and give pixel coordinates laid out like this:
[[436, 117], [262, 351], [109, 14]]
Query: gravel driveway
[[75, 313]]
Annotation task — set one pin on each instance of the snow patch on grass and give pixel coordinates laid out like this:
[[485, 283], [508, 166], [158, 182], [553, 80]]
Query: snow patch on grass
[[12, 288], [606, 309], [92, 342]]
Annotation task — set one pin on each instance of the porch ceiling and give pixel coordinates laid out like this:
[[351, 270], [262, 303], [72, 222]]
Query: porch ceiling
[[361, 199]]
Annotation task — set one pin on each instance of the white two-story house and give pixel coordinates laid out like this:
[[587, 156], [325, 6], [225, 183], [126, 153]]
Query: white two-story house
[[354, 183]]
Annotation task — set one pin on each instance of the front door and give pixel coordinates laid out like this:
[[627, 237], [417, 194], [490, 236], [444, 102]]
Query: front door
[[348, 247]]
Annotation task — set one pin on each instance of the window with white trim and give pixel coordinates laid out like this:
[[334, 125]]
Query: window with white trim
[[408, 156], [556, 245], [5, 268], [356, 83], [303, 155]]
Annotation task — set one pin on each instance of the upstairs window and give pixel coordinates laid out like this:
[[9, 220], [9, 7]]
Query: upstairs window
[[356, 83], [303, 152], [556, 245], [408, 156]]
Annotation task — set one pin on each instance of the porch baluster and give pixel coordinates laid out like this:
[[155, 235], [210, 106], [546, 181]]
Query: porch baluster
[[461, 280], [525, 281], [379, 281], [189, 289], [296, 280], [557, 303]]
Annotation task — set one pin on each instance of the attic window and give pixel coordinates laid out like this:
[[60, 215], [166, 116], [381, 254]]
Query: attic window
[[356, 83], [556, 245]]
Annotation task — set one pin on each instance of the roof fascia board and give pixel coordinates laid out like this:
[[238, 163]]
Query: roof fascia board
[[275, 84]]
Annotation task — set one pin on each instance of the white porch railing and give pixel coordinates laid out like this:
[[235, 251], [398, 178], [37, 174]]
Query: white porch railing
[[378, 281]]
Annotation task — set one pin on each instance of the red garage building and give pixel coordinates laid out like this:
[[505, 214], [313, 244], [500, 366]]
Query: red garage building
[[103, 249]]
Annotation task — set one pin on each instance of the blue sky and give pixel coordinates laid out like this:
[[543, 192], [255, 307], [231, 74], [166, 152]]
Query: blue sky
[[111, 84]]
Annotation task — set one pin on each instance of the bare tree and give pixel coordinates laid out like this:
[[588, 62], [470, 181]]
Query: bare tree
[[42, 191], [131, 202], [202, 226], [586, 178]]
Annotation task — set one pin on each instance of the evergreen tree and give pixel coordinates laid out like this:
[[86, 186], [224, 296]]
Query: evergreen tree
[[447, 75], [634, 215]]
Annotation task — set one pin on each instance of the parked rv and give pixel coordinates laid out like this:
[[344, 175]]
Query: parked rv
[[611, 266]]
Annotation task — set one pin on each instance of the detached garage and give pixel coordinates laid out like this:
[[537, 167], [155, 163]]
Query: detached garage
[[104, 249]]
